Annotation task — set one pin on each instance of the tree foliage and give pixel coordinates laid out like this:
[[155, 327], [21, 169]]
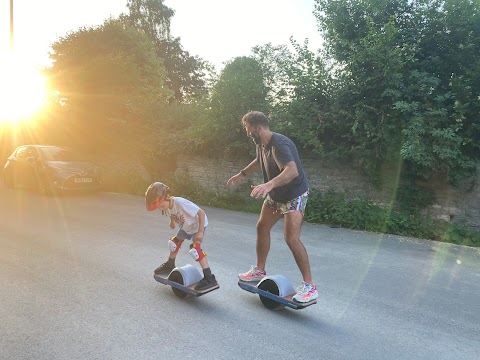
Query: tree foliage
[[409, 86], [239, 89], [185, 73], [299, 91], [109, 85], [397, 81], [217, 128]]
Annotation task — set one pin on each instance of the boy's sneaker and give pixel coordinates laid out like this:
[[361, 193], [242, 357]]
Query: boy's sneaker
[[166, 267], [253, 274], [206, 283], [306, 293]]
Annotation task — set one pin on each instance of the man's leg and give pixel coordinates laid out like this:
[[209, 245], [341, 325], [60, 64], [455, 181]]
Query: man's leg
[[292, 228], [268, 218]]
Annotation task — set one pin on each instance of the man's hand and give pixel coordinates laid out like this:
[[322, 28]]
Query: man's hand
[[251, 168], [235, 179], [261, 190]]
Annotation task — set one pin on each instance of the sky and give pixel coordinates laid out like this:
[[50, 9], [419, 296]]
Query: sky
[[215, 30]]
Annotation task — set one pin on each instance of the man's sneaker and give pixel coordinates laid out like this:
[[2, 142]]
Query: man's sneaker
[[306, 293], [166, 267], [206, 283], [252, 275]]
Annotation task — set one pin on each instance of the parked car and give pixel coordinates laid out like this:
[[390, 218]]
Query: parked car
[[48, 169]]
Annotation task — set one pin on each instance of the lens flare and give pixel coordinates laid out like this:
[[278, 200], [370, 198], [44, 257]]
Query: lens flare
[[23, 90]]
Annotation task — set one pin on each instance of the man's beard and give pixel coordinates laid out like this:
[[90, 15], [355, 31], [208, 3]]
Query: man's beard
[[256, 138]]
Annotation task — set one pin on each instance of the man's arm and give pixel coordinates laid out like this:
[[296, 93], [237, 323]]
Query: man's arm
[[251, 168], [288, 173]]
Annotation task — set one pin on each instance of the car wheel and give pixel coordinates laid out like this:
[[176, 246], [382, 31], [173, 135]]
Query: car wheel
[[44, 187]]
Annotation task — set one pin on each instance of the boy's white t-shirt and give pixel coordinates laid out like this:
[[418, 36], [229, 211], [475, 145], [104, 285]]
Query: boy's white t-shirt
[[184, 214]]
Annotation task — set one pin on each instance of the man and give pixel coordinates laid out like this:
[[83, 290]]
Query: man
[[285, 190]]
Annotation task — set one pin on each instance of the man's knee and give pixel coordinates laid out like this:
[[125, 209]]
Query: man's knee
[[292, 241], [266, 222], [263, 227]]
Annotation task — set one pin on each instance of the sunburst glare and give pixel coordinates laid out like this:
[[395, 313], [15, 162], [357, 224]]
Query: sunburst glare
[[23, 90]]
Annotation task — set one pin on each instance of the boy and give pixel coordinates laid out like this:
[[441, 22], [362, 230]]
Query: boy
[[192, 222]]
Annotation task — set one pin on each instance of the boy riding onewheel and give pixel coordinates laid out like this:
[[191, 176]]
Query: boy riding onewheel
[[192, 223]]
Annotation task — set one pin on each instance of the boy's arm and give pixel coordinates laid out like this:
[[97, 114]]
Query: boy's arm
[[201, 225]]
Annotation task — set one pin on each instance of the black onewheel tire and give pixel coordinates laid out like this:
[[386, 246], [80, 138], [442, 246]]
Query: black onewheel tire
[[175, 276], [270, 286]]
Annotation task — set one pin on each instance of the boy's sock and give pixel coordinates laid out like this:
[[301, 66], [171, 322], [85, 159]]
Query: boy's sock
[[207, 272]]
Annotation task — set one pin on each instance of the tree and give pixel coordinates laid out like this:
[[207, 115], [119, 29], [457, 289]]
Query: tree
[[185, 73], [239, 89], [299, 91], [214, 126], [409, 86], [109, 85]]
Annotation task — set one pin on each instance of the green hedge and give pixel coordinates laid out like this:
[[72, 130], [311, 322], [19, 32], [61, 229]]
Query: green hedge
[[333, 209]]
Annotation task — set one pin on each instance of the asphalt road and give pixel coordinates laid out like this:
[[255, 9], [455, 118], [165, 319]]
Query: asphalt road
[[76, 283]]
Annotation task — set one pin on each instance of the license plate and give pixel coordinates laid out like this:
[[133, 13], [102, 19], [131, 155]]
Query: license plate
[[83, 180]]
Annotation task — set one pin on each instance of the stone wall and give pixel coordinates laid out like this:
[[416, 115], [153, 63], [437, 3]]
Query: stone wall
[[460, 205], [124, 174]]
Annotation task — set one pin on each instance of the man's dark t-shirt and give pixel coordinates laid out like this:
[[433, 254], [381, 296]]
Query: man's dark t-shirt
[[273, 158]]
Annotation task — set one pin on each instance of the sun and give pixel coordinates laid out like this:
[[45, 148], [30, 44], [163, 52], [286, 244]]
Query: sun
[[23, 90]]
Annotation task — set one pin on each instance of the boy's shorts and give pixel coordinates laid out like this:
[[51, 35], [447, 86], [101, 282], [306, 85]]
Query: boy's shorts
[[184, 236], [299, 204]]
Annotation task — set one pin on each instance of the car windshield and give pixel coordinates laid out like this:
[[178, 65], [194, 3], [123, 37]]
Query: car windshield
[[59, 154]]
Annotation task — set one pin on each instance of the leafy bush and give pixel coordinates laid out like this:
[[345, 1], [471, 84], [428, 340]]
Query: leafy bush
[[333, 209], [414, 225], [461, 235]]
